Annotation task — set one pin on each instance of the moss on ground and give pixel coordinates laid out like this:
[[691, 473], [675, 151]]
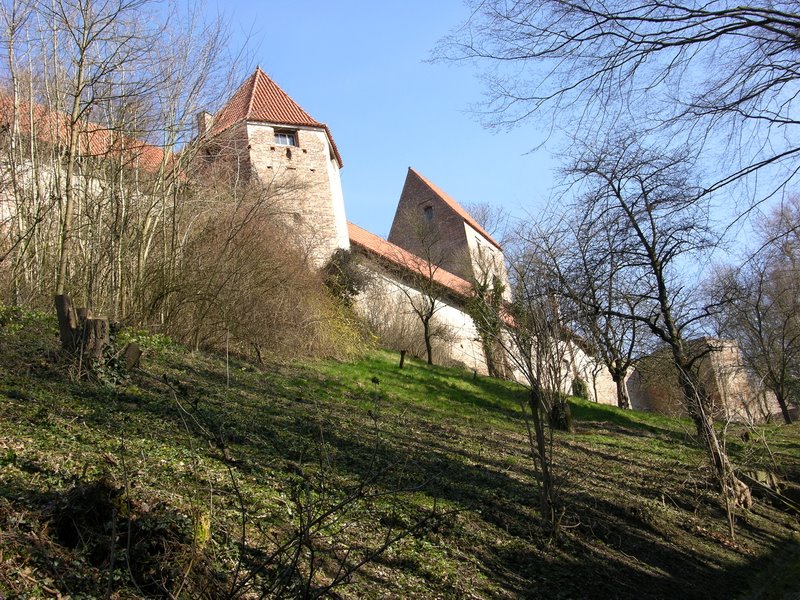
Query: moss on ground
[[187, 476]]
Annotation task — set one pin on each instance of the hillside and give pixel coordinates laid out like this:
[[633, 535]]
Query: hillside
[[194, 477]]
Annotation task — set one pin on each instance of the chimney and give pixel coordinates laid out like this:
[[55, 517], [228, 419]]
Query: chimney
[[204, 121]]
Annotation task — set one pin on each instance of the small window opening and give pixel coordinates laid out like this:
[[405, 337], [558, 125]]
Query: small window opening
[[286, 138], [428, 211]]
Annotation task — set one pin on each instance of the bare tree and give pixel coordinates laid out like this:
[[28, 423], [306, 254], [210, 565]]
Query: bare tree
[[493, 218], [429, 281], [718, 71], [661, 223], [536, 345], [590, 268], [761, 300], [107, 92], [94, 42]]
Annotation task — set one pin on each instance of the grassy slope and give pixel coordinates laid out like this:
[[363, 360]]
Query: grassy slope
[[641, 521]]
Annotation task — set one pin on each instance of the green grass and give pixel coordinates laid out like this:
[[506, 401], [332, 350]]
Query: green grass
[[173, 457]]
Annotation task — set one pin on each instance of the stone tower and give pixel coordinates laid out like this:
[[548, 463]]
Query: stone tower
[[266, 136], [432, 225]]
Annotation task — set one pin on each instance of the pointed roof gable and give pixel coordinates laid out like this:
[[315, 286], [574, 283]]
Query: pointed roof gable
[[404, 259], [456, 207], [260, 99]]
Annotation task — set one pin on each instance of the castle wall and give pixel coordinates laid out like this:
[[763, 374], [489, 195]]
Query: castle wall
[[654, 385], [306, 179], [386, 303]]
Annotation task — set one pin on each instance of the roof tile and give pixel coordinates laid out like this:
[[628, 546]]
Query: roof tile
[[260, 99], [405, 259], [94, 141]]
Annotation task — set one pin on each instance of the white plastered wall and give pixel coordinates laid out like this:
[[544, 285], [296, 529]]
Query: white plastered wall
[[599, 383], [464, 345]]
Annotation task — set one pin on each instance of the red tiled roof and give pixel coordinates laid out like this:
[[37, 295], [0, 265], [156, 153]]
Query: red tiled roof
[[96, 140], [404, 259], [457, 208], [260, 99]]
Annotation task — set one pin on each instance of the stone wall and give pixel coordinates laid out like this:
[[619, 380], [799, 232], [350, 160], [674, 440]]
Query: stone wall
[[654, 384], [303, 181], [438, 235]]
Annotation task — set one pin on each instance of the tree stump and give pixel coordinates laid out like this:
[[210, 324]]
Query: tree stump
[[80, 331], [131, 354], [95, 337]]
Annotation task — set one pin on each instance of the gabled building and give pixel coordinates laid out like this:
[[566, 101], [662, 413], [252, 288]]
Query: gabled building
[[431, 224]]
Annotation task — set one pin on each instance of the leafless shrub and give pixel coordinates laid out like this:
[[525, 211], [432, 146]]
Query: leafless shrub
[[245, 288]]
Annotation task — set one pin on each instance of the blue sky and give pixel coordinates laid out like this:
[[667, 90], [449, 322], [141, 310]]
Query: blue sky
[[361, 67]]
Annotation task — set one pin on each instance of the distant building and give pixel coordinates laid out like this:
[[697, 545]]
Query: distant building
[[653, 385]]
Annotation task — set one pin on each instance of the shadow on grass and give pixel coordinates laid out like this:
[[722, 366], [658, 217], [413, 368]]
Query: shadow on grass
[[611, 553]]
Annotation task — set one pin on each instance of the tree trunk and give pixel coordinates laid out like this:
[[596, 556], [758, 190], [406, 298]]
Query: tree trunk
[[488, 353], [548, 502], [560, 414], [731, 487], [623, 399], [67, 322], [784, 407], [426, 332]]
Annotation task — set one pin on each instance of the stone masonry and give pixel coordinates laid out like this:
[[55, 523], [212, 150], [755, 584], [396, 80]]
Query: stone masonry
[[432, 225]]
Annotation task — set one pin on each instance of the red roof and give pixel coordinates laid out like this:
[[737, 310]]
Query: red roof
[[96, 140], [457, 208], [404, 259], [260, 99]]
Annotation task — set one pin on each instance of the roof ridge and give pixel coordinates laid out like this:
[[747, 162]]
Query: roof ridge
[[252, 92], [404, 259], [451, 202]]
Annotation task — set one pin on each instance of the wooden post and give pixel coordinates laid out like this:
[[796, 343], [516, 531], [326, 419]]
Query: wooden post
[[402, 358]]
